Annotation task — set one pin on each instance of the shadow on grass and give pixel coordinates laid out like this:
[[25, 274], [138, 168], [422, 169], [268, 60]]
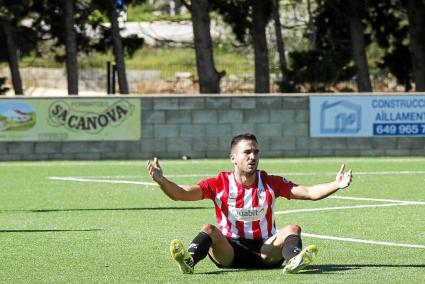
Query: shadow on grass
[[224, 271], [108, 209], [47, 231], [325, 268], [334, 268], [233, 270]]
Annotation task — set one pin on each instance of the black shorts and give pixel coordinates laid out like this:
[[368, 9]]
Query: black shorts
[[247, 255]]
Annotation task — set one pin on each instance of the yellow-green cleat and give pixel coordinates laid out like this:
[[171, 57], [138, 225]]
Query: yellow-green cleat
[[301, 260], [182, 257]]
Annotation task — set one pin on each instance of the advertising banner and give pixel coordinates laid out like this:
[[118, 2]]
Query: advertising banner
[[69, 119], [367, 116]]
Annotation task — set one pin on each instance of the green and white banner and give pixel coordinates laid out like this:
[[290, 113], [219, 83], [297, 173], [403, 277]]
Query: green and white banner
[[70, 119]]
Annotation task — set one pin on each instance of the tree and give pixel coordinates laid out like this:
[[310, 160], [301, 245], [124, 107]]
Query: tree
[[351, 14], [110, 8], [11, 14], [12, 55], [111, 11], [328, 60], [209, 77], [416, 16], [70, 47], [248, 20], [279, 38], [64, 23], [3, 89], [387, 19], [260, 18], [355, 15]]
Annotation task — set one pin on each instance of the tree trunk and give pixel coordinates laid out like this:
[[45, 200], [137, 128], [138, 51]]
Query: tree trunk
[[258, 33], [70, 48], [118, 48], [358, 46], [416, 15], [311, 28], [12, 56], [279, 39], [209, 78]]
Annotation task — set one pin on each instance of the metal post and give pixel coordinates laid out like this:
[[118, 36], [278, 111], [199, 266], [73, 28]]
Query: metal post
[[114, 72], [108, 78]]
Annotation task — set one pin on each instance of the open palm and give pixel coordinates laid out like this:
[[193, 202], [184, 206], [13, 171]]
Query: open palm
[[343, 179]]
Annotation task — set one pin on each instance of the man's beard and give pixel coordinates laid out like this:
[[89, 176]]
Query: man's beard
[[251, 171]]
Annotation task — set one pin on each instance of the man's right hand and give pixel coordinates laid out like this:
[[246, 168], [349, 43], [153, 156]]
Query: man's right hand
[[154, 169], [172, 190]]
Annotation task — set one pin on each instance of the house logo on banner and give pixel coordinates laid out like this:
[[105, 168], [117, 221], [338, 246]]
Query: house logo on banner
[[341, 117], [16, 116]]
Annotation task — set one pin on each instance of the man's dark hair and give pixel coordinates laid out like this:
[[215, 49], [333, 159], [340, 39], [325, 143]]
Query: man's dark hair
[[240, 137]]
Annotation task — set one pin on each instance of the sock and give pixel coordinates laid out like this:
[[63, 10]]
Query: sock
[[199, 247], [291, 246]]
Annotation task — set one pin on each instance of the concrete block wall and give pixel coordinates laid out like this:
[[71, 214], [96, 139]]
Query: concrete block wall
[[202, 127]]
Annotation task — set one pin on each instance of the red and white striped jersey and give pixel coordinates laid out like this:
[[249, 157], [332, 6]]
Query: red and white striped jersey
[[245, 212]]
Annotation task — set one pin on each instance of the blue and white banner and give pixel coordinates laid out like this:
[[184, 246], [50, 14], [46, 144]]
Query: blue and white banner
[[367, 116]]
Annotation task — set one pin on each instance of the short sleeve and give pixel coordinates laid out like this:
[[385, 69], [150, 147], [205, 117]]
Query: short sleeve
[[211, 186], [281, 186], [208, 187]]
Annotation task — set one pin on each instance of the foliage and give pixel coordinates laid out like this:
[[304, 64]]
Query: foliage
[[238, 14], [89, 19], [14, 11], [317, 69], [146, 13], [49, 21], [131, 43], [326, 62], [330, 59], [388, 20]]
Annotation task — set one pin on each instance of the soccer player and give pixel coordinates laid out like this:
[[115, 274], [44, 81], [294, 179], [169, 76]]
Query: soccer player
[[244, 199]]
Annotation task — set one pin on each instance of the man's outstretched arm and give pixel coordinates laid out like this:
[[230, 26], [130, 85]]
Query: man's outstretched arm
[[172, 190], [320, 191]]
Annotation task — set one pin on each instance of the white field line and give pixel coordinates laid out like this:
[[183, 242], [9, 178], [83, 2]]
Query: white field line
[[103, 181], [285, 174], [398, 203], [361, 241], [86, 179], [138, 176], [312, 161], [357, 173], [346, 161], [377, 199], [341, 208], [218, 161]]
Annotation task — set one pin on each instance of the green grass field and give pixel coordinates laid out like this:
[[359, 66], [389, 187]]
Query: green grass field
[[96, 222]]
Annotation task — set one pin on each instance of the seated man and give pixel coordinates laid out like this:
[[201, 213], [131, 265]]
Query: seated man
[[244, 199]]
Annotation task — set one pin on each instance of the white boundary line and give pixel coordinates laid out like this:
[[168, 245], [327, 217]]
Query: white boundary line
[[103, 181], [285, 174], [84, 179], [361, 241], [356, 173], [341, 208], [211, 161], [376, 199], [397, 203], [133, 176]]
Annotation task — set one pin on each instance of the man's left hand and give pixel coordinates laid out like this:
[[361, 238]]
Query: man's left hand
[[343, 179]]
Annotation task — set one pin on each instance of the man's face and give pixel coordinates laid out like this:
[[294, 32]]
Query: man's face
[[245, 156]]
